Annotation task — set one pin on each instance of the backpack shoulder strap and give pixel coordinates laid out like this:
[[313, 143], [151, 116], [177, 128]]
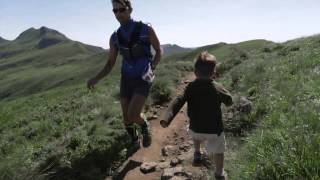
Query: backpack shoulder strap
[[121, 40], [135, 35]]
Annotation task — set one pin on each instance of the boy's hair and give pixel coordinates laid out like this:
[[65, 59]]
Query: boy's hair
[[205, 64], [126, 3]]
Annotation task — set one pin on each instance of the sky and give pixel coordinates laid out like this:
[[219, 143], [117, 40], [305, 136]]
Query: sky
[[188, 23]]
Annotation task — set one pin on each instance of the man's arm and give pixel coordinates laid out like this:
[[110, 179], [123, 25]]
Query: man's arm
[[113, 53], [156, 46]]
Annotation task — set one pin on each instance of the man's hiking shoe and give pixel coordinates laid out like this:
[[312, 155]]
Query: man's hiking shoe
[[197, 159], [146, 133], [223, 177], [146, 136], [133, 147]]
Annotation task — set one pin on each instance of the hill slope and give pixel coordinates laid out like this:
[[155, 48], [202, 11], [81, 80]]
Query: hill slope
[[68, 132], [282, 80], [40, 59], [3, 40]]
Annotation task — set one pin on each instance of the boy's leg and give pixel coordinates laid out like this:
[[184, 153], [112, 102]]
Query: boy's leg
[[134, 115], [219, 162], [216, 146], [197, 140]]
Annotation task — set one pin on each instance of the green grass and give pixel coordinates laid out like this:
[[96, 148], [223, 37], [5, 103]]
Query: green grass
[[286, 103], [63, 127], [70, 128]]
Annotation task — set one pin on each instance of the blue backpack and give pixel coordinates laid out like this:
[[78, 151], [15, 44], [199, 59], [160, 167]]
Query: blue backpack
[[135, 50]]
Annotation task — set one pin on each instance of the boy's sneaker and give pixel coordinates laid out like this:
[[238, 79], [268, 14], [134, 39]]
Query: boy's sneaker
[[197, 158], [146, 133]]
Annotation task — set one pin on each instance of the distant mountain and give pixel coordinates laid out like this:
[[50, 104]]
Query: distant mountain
[[170, 49], [36, 34], [42, 38]]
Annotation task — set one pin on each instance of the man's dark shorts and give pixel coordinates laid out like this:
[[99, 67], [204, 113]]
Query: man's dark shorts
[[131, 86]]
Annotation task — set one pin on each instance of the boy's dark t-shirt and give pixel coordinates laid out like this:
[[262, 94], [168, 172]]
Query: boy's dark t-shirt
[[204, 98]]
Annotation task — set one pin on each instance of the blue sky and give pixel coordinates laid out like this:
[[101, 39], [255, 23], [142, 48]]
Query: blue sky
[[188, 23]]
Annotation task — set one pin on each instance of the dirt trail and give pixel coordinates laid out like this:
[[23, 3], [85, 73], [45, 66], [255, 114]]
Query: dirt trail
[[160, 137], [153, 153], [180, 150]]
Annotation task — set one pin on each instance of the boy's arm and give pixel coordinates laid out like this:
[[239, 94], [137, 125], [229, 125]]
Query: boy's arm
[[225, 95], [173, 109]]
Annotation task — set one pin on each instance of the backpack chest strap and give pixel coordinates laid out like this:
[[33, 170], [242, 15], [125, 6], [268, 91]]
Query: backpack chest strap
[[133, 39]]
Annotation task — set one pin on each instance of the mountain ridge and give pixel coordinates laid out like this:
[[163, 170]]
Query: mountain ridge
[[34, 39], [33, 34], [170, 49], [44, 37]]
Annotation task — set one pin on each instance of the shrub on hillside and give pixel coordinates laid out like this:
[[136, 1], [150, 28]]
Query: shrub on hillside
[[266, 50], [161, 92]]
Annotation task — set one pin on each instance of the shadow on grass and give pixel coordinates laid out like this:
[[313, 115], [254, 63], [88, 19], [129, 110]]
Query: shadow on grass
[[93, 166]]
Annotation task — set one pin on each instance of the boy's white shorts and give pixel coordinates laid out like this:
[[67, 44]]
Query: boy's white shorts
[[213, 142]]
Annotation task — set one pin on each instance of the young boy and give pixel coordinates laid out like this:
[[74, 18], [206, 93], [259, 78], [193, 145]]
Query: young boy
[[204, 97]]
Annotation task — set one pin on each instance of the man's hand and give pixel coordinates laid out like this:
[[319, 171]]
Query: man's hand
[[164, 123], [91, 82]]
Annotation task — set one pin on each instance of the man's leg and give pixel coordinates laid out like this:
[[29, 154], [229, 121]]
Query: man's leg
[[197, 153], [134, 115], [196, 144], [129, 125]]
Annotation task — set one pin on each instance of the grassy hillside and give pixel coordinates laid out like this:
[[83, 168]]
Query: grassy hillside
[[51, 125], [40, 59], [68, 132], [283, 82]]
